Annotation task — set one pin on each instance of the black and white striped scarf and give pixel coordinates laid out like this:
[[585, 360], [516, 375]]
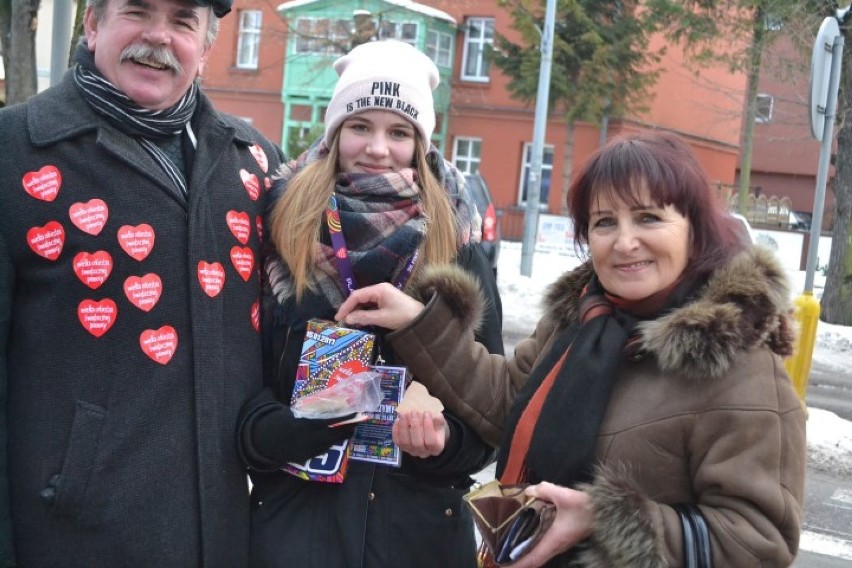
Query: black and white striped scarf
[[145, 125]]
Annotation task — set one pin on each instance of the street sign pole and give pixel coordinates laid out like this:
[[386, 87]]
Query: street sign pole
[[537, 151], [825, 79], [827, 60], [60, 42]]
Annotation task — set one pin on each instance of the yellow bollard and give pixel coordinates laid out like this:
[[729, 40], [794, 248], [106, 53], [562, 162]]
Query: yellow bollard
[[798, 365]]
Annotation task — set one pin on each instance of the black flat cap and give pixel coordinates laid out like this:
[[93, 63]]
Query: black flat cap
[[220, 7]]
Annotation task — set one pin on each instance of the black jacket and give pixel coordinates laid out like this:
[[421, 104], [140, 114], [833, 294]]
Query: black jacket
[[116, 458], [380, 516]]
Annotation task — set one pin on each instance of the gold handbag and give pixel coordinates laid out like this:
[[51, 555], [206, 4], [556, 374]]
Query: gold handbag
[[509, 521]]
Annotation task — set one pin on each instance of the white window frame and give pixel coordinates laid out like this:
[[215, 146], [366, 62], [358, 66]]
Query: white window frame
[[398, 28], [772, 22], [311, 40], [467, 160], [476, 39], [764, 107], [439, 48], [546, 173], [248, 39]]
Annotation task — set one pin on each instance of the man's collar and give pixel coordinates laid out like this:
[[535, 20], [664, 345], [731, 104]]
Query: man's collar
[[59, 113]]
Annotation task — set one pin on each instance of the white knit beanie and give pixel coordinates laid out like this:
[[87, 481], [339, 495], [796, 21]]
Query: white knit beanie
[[384, 75]]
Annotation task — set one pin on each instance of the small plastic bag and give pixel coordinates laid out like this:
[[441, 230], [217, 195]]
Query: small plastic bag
[[362, 392]]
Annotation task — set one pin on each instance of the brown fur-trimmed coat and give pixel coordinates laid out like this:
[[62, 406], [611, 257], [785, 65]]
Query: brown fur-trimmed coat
[[710, 417]]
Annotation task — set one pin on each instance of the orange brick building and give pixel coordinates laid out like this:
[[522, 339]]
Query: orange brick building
[[483, 128]]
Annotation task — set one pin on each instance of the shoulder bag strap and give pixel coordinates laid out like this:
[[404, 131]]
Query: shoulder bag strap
[[697, 552]]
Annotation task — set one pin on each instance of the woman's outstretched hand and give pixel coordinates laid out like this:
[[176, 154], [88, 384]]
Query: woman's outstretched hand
[[421, 434], [381, 305], [572, 524]]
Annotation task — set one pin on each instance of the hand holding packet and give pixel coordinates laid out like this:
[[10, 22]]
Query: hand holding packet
[[330, 355], [509, 521]]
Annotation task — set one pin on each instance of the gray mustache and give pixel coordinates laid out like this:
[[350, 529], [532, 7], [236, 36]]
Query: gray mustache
[[159, 55]]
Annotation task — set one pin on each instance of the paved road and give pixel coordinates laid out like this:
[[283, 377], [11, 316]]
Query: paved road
[[830, 389], [811, 560], [827, 536]]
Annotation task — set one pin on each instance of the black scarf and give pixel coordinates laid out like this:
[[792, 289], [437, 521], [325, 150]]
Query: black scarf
[[145, 125], [563, 444]]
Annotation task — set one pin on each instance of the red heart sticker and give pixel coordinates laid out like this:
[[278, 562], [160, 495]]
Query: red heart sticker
[[93, 269], [255, 316], [240, 225], [258, 221], [89, 217], [143, 291], [251, 184], [47, 241], [159, 344], [243, 260], [211, 276], [260, 156], [43, 184], [97, 317], [136, 241]]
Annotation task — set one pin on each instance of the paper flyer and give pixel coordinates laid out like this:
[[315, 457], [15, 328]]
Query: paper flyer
[[373, 439]]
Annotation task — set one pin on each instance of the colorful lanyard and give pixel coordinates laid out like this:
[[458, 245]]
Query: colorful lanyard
[[341, 252]]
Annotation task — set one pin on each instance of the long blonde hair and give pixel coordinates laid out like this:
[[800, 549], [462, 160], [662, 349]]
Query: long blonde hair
[[296, 219]]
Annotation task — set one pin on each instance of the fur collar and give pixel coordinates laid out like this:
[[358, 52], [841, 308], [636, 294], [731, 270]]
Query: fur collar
[[744, 305]]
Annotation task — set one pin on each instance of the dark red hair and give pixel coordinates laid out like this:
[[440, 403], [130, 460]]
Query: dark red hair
[[666, 165]]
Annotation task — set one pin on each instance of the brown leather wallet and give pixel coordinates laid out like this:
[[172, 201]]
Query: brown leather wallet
[[509, 521]]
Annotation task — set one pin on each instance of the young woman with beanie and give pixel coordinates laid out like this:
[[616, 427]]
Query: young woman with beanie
[[401, 207]]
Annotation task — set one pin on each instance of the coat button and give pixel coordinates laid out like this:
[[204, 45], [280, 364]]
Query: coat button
[[448, 513], [371, 496], [48, 494]]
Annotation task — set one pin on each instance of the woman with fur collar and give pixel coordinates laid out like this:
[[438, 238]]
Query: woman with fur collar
[[654, 381]]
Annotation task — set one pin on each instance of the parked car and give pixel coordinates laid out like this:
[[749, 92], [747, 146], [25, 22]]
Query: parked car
[[800, 220], [490, 221], [747, 231]]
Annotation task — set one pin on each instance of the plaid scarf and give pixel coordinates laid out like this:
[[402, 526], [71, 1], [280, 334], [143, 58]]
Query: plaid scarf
[[135, 121], [382, 221]]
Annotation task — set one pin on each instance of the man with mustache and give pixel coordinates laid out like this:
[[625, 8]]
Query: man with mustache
[[129, 301]]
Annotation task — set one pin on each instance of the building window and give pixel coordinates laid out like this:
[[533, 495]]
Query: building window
[[406, 32], [439, 46], [248, 42], [323, 36], [764, 109], [478, 34], [466, 152], [772, 22], [546, 175]]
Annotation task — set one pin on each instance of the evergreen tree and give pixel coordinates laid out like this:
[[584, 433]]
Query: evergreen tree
[[837, 296], [602, 61]]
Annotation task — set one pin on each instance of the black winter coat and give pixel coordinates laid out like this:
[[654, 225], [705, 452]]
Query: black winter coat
[[380, 516], [124, 356]]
